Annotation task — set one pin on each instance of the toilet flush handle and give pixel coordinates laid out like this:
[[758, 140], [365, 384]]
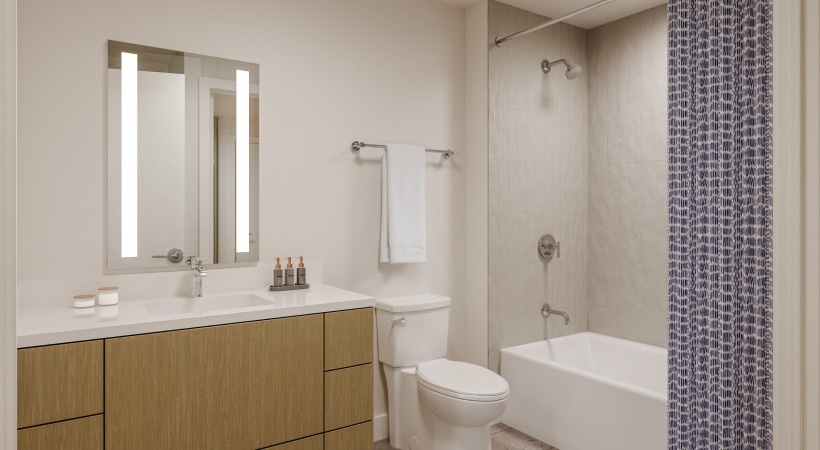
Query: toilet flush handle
[[401, 320]]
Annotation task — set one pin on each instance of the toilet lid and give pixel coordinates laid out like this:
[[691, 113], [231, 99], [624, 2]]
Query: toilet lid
[[462, 380]]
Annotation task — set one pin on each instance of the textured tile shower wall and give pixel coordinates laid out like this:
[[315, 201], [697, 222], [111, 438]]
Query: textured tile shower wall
[[585, 160], [538, 182], [626, 272]]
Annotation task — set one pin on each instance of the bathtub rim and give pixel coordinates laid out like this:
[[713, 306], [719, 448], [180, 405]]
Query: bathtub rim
[[586, 374]]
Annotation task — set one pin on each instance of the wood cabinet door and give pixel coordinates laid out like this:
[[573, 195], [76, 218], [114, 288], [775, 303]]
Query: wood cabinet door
[[348, 338], [357, 437], [311, 443], [59, 382], [348, 396], [76, 434], [243, 386]]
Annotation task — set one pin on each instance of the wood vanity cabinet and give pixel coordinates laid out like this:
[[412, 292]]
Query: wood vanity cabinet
[[295, 383]]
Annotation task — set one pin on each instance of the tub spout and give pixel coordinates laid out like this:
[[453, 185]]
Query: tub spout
[[547, 311]]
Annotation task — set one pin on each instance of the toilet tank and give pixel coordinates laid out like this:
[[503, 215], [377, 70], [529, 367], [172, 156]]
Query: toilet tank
[[420, 336]]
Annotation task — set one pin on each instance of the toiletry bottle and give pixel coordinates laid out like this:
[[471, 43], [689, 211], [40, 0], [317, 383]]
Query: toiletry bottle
[[290, 279], [278, 275], [301, 272]]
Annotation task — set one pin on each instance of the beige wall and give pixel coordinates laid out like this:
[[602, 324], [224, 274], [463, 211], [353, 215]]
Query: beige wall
[[476, 156], [8, 252], [331, 72], [537, 180], [627, 178], [811, 215]]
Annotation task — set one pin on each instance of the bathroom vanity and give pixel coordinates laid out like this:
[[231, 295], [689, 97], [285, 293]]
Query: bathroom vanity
[[294, 374], [248, 369]]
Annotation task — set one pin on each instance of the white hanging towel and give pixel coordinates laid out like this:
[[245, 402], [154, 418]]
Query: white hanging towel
[[404, 222]]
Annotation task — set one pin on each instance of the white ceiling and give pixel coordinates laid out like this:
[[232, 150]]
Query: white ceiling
[[555, 8]]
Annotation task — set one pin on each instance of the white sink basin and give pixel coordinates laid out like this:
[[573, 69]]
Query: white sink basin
[[205, 304]]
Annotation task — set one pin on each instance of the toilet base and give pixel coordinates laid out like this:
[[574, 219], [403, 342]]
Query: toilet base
[[450, 437], [409, 428]]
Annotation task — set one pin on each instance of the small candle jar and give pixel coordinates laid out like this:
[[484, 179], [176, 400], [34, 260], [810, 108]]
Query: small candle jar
[[84, 301], [108, 295]]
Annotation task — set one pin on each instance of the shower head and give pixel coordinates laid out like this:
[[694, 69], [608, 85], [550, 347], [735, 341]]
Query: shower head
[[573, 70]]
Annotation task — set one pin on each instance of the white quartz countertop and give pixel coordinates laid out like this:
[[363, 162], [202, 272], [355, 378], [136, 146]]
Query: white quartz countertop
[[60, 324]]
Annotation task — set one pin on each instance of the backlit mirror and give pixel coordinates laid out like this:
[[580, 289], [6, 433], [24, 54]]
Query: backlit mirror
[[183, 153]]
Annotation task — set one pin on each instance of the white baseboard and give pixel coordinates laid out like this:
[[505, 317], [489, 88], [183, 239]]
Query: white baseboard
[[380, 430]]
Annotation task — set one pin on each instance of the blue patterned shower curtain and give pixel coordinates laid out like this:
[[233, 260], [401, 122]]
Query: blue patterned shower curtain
[[720, 233]]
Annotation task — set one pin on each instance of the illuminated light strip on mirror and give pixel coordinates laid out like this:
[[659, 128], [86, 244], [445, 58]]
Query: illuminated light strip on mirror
[[128, 133], [243, 201]]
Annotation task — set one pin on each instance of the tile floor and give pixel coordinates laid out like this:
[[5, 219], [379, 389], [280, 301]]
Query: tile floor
[[503, 438]]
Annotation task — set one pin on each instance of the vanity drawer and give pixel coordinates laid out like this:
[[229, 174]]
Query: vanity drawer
[[357, 437], [348, 338], [348, 396], [243, 386], [311, 443], [59, 382], [77, 434]]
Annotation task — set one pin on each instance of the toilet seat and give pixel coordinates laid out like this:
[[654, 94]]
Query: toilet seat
[[462, 381]]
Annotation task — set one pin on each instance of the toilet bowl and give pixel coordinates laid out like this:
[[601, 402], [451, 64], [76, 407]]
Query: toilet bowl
[[433, 403], [462, 394], [465, 398]]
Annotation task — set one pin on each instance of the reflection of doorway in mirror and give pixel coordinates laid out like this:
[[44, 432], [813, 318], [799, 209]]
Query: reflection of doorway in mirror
[[162, 164], [225, 179]]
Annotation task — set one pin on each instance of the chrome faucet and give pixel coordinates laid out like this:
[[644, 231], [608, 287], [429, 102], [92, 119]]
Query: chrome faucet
[[547, 311], [198, 266]]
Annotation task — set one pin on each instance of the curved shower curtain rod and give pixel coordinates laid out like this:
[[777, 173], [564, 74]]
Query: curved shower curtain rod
[[500, 40]]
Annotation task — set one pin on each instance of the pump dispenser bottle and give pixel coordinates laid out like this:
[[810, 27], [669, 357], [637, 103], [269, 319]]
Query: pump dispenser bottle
[[301, 272], [278, 275], [290, 278]]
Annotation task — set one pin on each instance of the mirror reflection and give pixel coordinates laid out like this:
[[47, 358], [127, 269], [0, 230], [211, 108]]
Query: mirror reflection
[[183, 154]]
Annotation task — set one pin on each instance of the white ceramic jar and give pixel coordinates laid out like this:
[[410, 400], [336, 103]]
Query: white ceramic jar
[[108, 295], [84, 301]]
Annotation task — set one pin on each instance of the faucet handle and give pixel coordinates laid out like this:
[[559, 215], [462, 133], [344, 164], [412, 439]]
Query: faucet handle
[[195, 261]]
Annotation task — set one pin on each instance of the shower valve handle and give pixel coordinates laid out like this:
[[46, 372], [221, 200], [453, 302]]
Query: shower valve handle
[[548, 246]]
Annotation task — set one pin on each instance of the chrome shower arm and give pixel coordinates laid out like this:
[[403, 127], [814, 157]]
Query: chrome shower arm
[[546, 65]]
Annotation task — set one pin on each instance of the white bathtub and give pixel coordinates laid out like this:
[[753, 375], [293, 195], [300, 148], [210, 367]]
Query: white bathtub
[[588, 392]]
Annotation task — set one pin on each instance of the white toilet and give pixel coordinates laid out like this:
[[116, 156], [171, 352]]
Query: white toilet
[[433, 403]]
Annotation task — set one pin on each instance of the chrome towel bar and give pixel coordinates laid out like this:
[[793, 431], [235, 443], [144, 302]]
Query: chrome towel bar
[[357, 145]]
